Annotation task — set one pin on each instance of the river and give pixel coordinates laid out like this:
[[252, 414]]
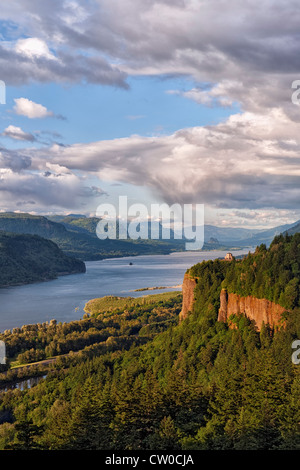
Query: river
[[64, 298], [23, 384]]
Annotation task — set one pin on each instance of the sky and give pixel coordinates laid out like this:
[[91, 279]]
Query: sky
[[167, 101]]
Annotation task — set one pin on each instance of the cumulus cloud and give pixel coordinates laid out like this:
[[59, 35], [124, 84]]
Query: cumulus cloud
[[30, 109], [44, 191], [17, 133], [14, 161], [33, 48], [248, 162], [243, 53], [48, 185], [102, 42]]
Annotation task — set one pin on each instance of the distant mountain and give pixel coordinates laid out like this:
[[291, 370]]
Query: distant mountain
[[267, 236], [294, 229], [84, 224], [231, 236], [30, 258], [76, 236], [228, 234]]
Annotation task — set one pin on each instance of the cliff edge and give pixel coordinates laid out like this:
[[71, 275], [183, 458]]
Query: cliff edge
[[188, 297], [259, 310]]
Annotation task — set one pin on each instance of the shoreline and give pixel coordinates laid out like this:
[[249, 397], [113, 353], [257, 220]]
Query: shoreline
[[179, 286], [39, 305]]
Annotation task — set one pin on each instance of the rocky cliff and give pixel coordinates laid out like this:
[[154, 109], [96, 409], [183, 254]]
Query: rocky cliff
[[188, 298], [259, 310]]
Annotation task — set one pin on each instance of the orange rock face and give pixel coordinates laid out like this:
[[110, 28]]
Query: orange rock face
[[188, 298], [259, 310]]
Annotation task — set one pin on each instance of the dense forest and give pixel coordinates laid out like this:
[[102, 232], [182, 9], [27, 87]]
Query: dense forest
[[30, 258], [156, 383], [111, 318], [273, 274]]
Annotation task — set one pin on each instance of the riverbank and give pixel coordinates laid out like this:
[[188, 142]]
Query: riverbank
[[113, 323], [64, 298], [179, 286]]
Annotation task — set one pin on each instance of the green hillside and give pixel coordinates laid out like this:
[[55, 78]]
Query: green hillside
[[77, 223], [137, 379], [31, 224], [30, 258], [272, 274], [77, 237]]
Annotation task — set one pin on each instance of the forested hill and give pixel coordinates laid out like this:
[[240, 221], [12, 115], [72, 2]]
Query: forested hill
[[272, 273], [30, 258], [31, 224], [140, 379], [77, 237]]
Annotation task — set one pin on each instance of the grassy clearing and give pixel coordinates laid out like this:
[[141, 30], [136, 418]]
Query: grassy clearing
[[112, 304]]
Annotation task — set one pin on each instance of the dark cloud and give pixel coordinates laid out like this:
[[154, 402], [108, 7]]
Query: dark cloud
[[93, 191], [249, 49], [208, 39], [25, 203], [76, 68], [14, 161]]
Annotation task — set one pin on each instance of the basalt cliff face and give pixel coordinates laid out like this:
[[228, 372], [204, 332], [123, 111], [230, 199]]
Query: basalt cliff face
[[188, 298], [259, 310]]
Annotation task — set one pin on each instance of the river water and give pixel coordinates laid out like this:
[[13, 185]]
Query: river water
[[64, 298], [23, 384]]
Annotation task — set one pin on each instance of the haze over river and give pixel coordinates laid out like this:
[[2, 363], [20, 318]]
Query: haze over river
[[64, 298]]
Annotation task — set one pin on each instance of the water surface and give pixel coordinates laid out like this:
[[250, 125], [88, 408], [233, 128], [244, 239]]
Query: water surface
[[64, 298]]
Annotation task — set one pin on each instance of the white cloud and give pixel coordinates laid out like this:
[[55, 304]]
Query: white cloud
[[218, 94], [33, 48], [245, 53], [250, 161], [234, 51], [30, 109], [17, 133], [42, 183], [44, 190]]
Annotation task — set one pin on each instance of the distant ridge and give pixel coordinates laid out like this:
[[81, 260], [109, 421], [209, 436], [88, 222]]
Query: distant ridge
[[76, 236], [294, 229]]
